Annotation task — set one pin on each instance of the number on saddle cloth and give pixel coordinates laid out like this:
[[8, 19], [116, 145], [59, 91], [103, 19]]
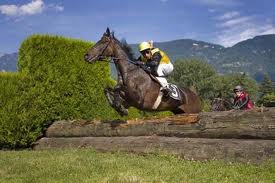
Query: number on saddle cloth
[[175, 91]]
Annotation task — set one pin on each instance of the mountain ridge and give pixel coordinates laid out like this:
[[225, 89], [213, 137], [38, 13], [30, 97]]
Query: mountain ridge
[[255, 56], [8, 62]]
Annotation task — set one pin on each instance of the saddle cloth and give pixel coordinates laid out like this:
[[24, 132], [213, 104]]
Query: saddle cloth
[[174, 94], [175, 91]]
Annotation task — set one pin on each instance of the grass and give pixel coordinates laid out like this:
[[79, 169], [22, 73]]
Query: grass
[[85, 165]]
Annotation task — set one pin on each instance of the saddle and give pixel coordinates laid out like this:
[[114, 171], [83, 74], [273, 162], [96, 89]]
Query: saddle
[[176, 93]]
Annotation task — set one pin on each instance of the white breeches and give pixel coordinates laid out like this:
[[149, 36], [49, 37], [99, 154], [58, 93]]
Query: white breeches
[[164, 70]]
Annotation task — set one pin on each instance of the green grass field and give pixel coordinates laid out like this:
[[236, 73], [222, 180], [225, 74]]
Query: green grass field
[[90, 166]]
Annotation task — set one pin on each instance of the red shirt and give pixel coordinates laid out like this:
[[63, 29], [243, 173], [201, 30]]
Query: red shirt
[[243, 101]]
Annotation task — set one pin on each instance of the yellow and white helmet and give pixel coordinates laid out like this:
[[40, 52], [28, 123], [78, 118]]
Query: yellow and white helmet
[[144, 46]]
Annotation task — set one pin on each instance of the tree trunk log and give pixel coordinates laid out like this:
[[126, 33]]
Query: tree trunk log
[[189, 148], [229, 124]]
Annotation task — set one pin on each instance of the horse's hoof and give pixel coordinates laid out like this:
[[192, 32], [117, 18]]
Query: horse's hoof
[[106, 90], [125, 112], [122, 111]]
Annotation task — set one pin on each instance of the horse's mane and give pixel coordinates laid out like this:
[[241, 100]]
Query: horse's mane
[[126, 48]]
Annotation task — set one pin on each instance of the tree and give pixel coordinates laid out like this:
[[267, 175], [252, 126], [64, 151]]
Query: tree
[[196, 74], [208, 84], [269, 100], [266, 85], [229, 81], [266, 90]]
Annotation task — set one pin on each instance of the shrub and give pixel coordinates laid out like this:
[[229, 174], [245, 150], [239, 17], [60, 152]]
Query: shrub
[[63, 85], [53, 83], [269, 100]]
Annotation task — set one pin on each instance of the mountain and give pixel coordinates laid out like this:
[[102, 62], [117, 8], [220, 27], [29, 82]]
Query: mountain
[[254, 56], [8, 62], [188, 48]]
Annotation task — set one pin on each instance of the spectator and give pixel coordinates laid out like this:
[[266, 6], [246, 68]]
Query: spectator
[[241, 100]]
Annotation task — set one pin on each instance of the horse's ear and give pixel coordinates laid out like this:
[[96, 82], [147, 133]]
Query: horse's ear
[[108, 33], [113, 34]]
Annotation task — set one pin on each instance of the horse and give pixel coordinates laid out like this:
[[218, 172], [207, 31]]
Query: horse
[[136, 87], [221, 104]]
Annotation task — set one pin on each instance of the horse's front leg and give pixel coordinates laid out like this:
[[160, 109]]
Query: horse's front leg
[[115, 100], [119, 101], [109, 93]]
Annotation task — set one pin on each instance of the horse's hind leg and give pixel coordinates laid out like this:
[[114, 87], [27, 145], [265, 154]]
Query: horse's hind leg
[[177, 111]]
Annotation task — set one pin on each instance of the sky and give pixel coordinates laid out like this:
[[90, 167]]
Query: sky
[[224, 22]]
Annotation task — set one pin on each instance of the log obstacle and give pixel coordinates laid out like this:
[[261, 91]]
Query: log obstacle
[[229, 135]]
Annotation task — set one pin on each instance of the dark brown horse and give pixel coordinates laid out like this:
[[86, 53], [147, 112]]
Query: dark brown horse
[[221, 104], [135, 87]]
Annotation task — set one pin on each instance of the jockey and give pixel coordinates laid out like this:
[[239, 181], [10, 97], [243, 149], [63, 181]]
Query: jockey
[[157, 63], [241, 100]]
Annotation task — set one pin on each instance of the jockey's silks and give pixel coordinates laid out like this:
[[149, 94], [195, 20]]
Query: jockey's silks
[[164, 57]]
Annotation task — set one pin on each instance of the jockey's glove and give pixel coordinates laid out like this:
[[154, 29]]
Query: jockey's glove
[[146, 68], [139, 62]]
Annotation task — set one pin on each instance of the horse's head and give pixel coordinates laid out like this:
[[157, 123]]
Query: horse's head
[[102, 49]]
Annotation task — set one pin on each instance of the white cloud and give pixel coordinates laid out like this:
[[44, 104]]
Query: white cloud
[[34, 7], [9, 10], [31, 8], [218, 2], [55, 7], [234, 29], [229, 15], [268, 29], [211, 10], [236, 21], [229, 38]]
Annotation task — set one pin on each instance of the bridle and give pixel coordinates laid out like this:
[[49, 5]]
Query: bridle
[[112, 58], [99, 56]]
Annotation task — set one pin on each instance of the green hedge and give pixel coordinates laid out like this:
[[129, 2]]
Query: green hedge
[[62, 84], [10, 97], [53, 83]]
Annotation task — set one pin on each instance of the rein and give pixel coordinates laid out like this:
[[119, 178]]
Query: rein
[[113, 58], [128, 60]]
